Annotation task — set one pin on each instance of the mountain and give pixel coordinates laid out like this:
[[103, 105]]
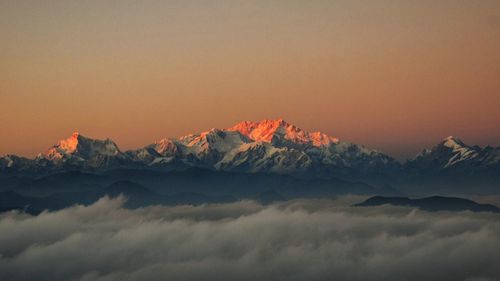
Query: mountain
[[191, 180], [453, 165], [10, 200], [452, 155], [12, 164], [78, 151], [136, 196], [281, 134], [270, 147], [434, 203]]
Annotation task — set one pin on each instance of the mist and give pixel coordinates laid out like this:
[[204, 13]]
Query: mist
[[294, 240]]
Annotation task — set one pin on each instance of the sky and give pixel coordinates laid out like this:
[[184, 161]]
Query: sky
[[398, 76]]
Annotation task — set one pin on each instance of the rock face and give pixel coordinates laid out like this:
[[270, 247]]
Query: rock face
[[268, 146]]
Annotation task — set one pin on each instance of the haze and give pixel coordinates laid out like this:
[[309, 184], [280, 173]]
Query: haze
[[394, 75]]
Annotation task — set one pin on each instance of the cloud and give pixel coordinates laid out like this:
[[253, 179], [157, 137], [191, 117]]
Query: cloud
[[296, 240]]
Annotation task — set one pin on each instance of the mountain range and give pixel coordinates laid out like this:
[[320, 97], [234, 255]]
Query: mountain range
[[269, 147]]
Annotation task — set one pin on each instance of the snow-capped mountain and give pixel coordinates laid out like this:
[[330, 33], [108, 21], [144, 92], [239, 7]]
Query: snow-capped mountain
[[281, 134], [452, 155], [78, 151], [268, 146]]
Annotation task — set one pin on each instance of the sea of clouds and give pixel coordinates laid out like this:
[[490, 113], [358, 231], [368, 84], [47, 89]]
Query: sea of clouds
[[295, 240]]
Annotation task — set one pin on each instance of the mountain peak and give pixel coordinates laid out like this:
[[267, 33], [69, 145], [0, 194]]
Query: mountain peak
[[77, 144], [453, 142], [450, 152], [268, 130], [70, 144]]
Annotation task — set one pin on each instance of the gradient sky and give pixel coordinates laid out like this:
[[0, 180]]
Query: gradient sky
[[394, 75]]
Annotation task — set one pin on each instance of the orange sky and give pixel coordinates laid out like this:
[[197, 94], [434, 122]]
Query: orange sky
[[393, 75]]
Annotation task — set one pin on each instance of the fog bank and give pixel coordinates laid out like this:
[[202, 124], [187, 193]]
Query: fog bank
[[296, 240]]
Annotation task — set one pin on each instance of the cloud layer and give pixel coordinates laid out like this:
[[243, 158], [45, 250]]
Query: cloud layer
[[297, 240]]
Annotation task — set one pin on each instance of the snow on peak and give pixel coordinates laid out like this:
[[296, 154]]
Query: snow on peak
[[216, 139], [165, 146], [68, 145], [459, 151], [453, 143], [320, 139], [78, 144], [267, 129]]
